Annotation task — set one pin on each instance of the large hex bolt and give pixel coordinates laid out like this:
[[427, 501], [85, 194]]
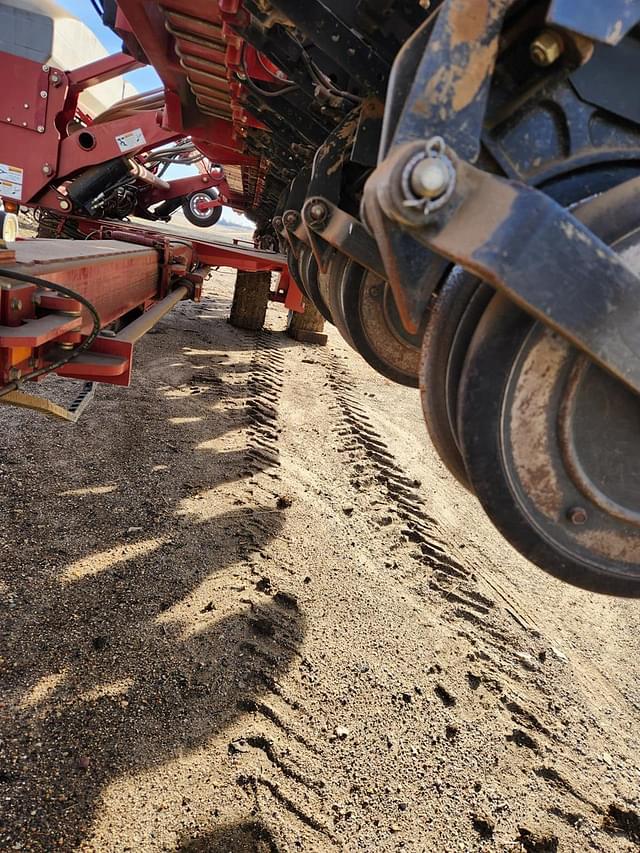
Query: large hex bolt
[[546, 48]]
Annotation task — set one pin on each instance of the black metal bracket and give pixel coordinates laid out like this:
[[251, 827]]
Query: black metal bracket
[[343, 232], [526, 245]]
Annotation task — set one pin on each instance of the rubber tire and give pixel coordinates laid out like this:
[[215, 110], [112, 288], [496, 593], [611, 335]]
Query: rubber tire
[[453, 317], [349, 300], [250, 300], [214, 214], [500, 334]]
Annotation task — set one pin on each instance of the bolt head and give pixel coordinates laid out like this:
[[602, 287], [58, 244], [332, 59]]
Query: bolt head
[[40, 128], [430, 178], [546, 48], [44, 94], [318, 211], [577, 515], [46, 169]]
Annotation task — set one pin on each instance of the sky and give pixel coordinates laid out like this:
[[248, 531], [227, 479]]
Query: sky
[[143, 79]]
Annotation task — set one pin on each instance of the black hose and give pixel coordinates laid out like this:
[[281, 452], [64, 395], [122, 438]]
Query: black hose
[[97, 7], [65, 291]]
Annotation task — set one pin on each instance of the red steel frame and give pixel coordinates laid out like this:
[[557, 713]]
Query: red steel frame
[[117, 267], [139, 266]]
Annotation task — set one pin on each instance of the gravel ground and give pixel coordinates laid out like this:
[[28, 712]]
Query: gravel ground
[[244, 608]]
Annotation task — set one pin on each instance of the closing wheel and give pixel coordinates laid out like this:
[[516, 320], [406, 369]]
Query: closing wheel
[[454, 314], [373, 325], [551, 447]]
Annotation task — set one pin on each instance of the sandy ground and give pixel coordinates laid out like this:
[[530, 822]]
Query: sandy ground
[[244, 608]]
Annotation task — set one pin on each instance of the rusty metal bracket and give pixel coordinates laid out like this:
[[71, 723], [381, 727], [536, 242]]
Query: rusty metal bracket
[[608, 23], [526, 245], [343, 232], [449, 94]]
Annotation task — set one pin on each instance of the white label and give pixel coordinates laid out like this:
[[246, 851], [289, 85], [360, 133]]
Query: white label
[[10, 181], [133, 139]]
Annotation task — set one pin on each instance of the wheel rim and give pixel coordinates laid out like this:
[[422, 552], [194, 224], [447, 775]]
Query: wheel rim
[[198, 199], [369, 317], [10, 227]]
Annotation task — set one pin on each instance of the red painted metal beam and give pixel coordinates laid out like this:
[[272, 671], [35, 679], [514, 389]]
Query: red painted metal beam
[[101, 70]]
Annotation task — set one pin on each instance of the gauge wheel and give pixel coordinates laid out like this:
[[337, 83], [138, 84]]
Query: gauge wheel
[[454, 313], [194, 209]]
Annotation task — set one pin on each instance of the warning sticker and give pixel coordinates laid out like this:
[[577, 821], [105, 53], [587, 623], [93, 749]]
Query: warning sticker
[[133, 139], [11, 181]]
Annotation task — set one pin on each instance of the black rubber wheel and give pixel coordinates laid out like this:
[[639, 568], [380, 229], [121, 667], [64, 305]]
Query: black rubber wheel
[[338, 268], [373, 327], [201, 218], [551, 447], [294, 270], [250, 300], [310, 276], [453, 316]]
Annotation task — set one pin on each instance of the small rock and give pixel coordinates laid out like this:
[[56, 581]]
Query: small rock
[[341, 732], [238, 746], [559, 655], [385, 521], [83, 762], [284, 502], [99, 643], [347, 510], [132, 530], [208, 608]]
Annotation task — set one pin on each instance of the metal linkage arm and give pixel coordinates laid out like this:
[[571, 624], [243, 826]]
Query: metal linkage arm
[[522, 242]]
